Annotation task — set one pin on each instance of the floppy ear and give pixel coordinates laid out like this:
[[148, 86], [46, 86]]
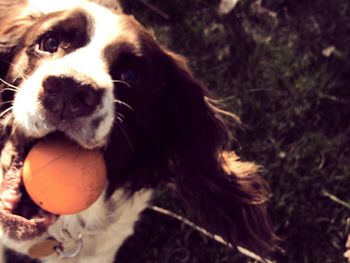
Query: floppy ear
[[14, 21], [12, 25], [226, 195]]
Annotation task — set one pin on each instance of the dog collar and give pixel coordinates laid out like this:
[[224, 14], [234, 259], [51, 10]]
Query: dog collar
[[51, 246]]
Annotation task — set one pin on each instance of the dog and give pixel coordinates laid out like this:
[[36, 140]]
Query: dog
[[92, 74]]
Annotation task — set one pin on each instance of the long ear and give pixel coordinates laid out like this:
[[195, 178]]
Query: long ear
[[14, 20], [225, 194]]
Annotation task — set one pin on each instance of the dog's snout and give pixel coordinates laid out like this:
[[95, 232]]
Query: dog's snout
[[67, 98]]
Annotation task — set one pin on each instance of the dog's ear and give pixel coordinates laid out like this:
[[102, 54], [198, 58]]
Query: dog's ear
[[15, 18], [226, 195]]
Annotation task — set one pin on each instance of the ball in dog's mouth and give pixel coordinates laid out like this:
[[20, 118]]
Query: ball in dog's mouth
[[61, 167]]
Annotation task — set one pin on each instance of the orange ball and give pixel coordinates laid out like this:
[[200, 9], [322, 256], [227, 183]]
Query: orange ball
[[63, 178]]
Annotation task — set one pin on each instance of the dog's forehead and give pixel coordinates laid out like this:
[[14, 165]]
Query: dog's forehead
[[108, 26]]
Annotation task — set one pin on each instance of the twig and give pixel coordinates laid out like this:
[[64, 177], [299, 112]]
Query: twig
[[2, 253], [336, 199], [217, 238], [155, 9]]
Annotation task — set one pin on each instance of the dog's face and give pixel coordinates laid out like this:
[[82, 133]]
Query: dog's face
[[69, 69], [99, 78]]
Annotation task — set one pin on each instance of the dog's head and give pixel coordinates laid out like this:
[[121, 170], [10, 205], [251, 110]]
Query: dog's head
[[66, 69], [99, 78]]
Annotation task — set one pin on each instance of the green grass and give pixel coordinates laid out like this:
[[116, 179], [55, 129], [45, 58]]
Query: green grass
[[296, 104]]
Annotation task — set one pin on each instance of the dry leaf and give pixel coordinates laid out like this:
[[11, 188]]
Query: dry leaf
[[226, 6]]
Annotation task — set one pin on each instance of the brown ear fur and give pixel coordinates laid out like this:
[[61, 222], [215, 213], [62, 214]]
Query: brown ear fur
[[14, 22], [225, 194]]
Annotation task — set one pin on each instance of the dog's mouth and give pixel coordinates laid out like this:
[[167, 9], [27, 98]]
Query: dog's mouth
[[20, 217]]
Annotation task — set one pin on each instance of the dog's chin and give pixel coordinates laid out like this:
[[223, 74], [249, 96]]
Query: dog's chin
[[76, 130], [86, 143]]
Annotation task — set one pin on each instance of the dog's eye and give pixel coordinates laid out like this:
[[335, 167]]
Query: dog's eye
[[130, 76], [49, 43]]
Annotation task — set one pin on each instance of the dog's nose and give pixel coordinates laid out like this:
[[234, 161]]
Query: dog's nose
[[68, 99]]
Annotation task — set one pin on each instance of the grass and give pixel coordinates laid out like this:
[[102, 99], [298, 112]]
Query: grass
[[270, 70]]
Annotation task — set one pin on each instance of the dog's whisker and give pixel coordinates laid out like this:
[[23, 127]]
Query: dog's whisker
[[19, 72], [8, 84], [6, 102], [8, 89], [120, 116], [119, 119], [122, 82], [124, 104], [2, 114], [125, 134]]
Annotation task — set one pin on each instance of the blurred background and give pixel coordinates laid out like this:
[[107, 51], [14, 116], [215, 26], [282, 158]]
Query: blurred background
[[283, 66]]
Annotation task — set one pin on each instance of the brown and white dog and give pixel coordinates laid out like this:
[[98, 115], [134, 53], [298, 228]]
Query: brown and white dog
[[78, 69]]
